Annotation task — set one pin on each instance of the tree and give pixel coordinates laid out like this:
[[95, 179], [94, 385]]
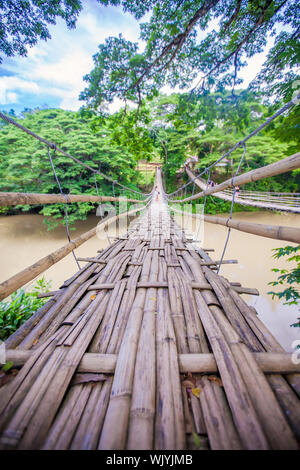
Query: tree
[[24, 22], [25, 166], [171, 128], [288, 278], [179, 48]]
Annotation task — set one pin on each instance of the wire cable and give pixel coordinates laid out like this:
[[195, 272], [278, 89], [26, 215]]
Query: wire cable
[[66, 204]]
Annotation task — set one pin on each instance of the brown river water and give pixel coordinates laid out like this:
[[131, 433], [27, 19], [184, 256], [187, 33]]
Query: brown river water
[[24, 239]]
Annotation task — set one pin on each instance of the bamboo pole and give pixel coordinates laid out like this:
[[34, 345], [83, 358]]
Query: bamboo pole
[[248, 200], [18, 280], [277, 168], [269, 362], [88, 423], [117, 414], [277, 232], [169, 432], [14, 199], [141, 423], [283, 387]]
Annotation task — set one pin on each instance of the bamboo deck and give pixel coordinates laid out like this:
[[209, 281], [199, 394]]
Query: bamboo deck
[[145, 348]]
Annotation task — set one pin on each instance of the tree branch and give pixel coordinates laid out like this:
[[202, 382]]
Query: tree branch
[[179, 40], [233, 17], [257, 24]]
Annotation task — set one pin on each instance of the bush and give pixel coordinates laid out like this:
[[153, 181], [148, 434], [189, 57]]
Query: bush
[[20, 307], [291, 293]]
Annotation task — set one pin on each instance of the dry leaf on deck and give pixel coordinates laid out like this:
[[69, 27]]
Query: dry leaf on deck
[[93, 297], [196, 391], [197, 440]]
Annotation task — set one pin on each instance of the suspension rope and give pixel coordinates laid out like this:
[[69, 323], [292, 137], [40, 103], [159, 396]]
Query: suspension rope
[[193, 190], [231, 208], [205, 196], [55, 147], [203, 210], [66, 204], [96, 185]]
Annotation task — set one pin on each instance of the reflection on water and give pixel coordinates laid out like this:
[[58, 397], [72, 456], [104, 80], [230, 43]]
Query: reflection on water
[[24, 239], [254, 255]]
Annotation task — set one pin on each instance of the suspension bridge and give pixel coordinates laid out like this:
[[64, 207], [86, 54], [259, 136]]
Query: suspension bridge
[[284, 202], [147, 346]]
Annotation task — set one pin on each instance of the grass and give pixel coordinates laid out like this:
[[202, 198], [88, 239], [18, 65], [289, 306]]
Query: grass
[[20, 306]]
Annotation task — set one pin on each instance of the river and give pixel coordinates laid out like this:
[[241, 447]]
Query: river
[[24, 239]]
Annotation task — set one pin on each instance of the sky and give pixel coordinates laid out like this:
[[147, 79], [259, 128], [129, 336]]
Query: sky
[[52, 73]]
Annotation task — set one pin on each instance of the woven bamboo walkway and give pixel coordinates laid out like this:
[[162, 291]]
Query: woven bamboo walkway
[[145, 348]]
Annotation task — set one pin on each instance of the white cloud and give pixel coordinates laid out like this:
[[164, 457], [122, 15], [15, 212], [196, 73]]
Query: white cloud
[[53, 71], [56, 67], [10, 85], [11, 97]]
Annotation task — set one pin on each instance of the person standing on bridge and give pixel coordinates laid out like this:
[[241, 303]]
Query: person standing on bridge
[[156, 193]]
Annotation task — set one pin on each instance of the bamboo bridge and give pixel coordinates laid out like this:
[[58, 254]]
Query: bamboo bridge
[[146, 347], [284, 202]]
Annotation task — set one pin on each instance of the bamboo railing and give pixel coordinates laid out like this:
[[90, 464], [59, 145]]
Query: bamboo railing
[[13, 199], [277, 232], [262, 201], [277, 168]]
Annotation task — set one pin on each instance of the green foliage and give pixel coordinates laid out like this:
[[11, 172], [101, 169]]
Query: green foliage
[[291, 294], [23, 23], [25, 166], [20, 307], [208, 126], [181, 45]]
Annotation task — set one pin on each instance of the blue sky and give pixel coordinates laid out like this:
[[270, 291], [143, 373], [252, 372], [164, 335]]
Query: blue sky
[[52, 73]]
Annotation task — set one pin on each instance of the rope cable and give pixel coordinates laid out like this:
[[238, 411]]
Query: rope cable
[[203, 210], [242, 142], [96, 185], [66, 204], [53, 146], [231, 208]]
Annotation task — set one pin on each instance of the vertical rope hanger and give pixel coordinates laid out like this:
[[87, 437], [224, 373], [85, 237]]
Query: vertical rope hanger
[[208, 179], [96, 186], [193, 190], [66, 203], [232, 203]]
